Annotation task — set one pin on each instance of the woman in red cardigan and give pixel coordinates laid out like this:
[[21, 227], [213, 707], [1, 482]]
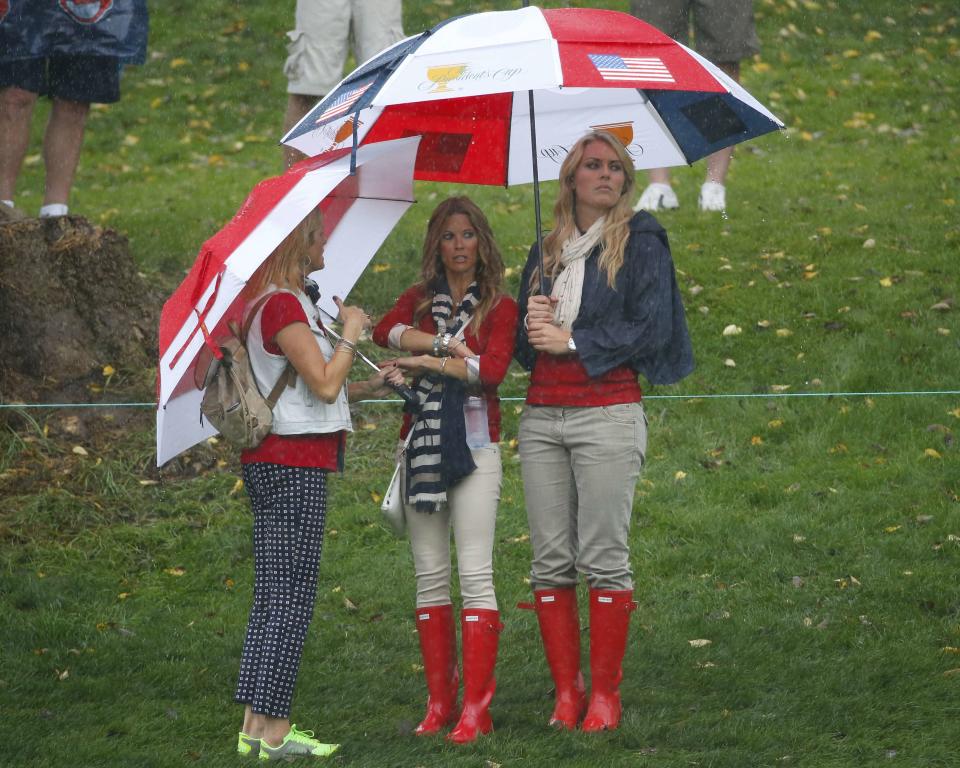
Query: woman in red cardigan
[[460, 329]]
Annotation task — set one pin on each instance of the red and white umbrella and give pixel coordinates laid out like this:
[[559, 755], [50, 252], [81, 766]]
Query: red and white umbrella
[[360, 209], [464, 86]]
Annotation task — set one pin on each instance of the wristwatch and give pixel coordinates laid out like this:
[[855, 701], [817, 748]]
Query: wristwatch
[[571, 345]]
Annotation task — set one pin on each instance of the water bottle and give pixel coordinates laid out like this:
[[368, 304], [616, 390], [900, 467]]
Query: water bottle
[[475, 420]]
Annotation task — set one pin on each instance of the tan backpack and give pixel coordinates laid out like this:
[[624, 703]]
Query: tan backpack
[[232, 402]]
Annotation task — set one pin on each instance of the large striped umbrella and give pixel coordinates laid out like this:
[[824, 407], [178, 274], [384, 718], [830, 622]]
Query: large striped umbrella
[[467, 86], [500, 97]]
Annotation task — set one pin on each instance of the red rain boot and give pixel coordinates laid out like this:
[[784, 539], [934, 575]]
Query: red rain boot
[[480, 631], [438, 646], [560, 630], [609, 621]]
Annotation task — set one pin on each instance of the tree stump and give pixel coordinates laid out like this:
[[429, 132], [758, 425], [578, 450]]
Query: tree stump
[[71, 302]]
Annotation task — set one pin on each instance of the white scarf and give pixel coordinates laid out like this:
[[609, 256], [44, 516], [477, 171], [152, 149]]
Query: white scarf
[[568, 287]]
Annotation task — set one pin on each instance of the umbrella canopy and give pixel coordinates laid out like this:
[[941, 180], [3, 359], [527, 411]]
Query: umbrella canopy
[[360, 210], [463, 86]]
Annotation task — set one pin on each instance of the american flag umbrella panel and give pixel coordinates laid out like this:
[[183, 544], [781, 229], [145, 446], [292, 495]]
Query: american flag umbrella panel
[[463, 86], [360, 209]]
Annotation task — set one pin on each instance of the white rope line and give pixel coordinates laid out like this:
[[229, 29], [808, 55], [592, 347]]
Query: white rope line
[[692, 397]]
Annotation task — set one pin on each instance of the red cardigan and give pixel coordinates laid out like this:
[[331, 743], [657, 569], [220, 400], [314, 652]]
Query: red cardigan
[[493, 343]]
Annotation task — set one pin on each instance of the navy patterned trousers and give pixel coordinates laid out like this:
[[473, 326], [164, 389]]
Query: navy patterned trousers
[[289, 508]]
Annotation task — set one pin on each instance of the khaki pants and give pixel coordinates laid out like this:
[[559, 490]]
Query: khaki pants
[[318, 46], [580, 468], [471, 510]]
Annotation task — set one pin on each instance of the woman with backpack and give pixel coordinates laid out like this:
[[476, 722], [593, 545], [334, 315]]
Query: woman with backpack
[[459, 328], [609, 309], [285, 478]]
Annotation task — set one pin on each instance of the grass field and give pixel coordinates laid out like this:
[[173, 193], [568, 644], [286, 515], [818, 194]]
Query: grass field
[[813, 541]]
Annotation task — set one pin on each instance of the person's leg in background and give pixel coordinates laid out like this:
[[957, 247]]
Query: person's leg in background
[[377, 24], [316, 53], [725, 33], [73, 83], [20, 83], [672, 17], [62, 143]]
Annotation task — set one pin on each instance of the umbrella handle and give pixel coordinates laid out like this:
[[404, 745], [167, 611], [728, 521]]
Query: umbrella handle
[[409, 397]]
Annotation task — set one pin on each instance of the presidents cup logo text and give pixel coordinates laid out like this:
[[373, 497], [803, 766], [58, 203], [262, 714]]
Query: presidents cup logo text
[[443, 78], [623, 132]]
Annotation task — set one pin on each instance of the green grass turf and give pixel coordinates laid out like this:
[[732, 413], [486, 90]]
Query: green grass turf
[[814, 542]]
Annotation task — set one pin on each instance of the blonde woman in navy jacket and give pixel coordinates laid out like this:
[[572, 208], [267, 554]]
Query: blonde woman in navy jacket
[[612, 310]]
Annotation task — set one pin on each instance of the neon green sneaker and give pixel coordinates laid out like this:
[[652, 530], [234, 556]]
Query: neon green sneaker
[[247, 745], [295, 744]]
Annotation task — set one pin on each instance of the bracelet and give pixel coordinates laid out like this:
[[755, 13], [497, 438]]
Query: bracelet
[[347, 345], [443, 363], [445, 344], [436, 345]]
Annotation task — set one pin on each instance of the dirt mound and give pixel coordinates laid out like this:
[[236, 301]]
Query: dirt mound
[[71, 303]]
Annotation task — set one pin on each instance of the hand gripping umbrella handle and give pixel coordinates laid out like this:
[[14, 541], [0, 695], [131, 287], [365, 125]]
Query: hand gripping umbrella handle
[[410, 399]]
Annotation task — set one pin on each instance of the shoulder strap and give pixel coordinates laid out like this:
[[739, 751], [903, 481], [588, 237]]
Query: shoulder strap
[[289, 375]]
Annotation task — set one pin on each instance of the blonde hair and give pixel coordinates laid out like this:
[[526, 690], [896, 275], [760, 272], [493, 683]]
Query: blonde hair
[[489, 273], [287, 266], [616, 227]]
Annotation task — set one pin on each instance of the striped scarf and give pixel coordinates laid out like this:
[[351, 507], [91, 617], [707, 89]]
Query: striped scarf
[[438, 456]]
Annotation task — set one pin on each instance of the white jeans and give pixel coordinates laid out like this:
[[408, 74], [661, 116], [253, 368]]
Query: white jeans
[[471, 510]]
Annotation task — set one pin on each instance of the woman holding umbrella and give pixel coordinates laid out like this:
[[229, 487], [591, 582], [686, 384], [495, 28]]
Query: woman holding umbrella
[[285, 477], [460, 329], [614, 311]]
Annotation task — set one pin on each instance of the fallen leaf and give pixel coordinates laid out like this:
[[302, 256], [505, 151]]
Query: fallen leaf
[[930, 453], [175, 571], [886, 282], [80, 450], [732, 330], [679, 475], [701, 643]]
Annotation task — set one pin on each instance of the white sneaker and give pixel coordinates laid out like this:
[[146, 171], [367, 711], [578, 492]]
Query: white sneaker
[[657, 197], [52, 210], [713, 196]]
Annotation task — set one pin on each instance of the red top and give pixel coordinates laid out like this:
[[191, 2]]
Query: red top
[[322, 451], [492, 342], [563, 381]]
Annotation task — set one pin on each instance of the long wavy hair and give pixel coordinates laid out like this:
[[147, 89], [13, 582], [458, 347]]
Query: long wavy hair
[[287, 266], [489, 274], [616, 227]]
